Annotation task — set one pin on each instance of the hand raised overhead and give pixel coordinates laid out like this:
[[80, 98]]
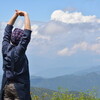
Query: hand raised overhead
[[20, 13]]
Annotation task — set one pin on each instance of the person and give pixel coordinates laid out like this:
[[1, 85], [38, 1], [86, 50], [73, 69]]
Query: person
[[16, 78]]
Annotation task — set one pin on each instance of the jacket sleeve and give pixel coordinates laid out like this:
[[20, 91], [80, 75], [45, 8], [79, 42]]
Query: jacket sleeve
[[22, 46], [7, 37]]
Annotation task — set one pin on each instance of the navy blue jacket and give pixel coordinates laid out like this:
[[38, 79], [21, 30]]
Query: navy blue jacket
[[22, 80]]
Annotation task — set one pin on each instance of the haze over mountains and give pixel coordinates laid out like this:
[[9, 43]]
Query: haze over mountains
[[60, 71], [81, 81]]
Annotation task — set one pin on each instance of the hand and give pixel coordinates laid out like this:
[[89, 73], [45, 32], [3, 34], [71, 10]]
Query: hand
[[20, 13]]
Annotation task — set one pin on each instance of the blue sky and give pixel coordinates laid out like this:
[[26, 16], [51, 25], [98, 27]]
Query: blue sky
[[65, 37], [40, 10]]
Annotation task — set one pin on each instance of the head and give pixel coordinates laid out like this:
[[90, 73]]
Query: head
[[16, 36]]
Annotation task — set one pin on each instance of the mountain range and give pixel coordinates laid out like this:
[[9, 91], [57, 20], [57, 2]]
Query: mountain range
[[81, 81]]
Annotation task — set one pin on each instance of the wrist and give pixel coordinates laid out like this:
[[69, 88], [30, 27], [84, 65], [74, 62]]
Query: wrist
[[15, 15], [25, 13]]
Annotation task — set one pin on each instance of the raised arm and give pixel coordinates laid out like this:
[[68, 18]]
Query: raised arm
[[8, 31], [27, 24], [22, 46], [13, 19]]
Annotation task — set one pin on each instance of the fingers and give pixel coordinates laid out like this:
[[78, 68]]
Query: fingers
[[16, 11], [20, 13]]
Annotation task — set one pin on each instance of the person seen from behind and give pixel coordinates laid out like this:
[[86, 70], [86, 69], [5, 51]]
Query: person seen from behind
[[16, 78]]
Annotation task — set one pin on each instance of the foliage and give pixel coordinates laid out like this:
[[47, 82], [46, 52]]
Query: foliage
[[66, 95]]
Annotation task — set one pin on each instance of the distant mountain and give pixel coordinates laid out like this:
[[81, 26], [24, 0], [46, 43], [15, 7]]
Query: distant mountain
[[57, 71], [71, 82], [80, 81], [95, 69]]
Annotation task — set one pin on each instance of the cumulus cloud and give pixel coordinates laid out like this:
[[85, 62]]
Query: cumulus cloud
[[34, 29], [84, 46], [64, 34], [67, 30], [73, 50], [75, 17]]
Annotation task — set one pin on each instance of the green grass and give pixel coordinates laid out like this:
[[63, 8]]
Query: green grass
[[66, 95]]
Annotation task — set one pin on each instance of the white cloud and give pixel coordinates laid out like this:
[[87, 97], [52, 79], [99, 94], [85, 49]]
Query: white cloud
[[34, 29], [66, 52], [73, 50], [75, 17], [54, 28], [66, 30], [95, 48], [98, 39], [84, 46], [19, 24]]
